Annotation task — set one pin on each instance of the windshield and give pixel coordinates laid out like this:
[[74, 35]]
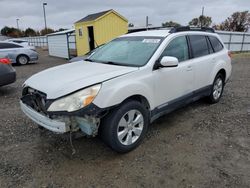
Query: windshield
[[127, 51]]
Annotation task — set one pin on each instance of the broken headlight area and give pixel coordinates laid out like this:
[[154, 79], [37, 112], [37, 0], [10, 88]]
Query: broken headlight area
[[86, 119]]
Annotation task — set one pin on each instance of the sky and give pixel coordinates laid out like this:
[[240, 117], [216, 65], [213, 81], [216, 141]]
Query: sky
[[63, 13]]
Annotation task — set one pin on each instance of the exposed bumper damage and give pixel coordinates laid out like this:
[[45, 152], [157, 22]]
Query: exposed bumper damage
[[62, 124], [87, 120], [58, 126]]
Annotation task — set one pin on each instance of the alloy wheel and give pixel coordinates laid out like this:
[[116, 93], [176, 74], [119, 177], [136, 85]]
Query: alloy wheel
[[217, 90], [130, 127]]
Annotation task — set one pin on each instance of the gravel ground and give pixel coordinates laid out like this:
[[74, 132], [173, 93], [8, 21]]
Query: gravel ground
[[200, 145]]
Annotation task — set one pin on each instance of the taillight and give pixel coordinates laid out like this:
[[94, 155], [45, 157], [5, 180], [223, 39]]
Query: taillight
[[230, 54], [5, 61]]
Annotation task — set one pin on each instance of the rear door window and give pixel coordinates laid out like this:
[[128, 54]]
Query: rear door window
[[9, 45], [217, 46], [1, 45], [199, 45], [210, 48], [4, 45]]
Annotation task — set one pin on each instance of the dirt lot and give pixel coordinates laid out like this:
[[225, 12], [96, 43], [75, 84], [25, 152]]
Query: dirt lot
[[200, 145]]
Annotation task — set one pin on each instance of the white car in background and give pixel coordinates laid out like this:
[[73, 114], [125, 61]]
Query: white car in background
[[128, 83]]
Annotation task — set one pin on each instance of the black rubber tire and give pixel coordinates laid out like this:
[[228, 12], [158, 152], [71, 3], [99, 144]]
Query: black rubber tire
[[211, 98], [40, 127], [22, 56], [109, 124]]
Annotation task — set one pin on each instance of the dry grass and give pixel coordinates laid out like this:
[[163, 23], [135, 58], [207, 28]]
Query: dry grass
[[241, 54]]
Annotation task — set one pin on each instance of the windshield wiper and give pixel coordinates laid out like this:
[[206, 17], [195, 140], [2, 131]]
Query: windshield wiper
[[112, 63], [90, 60], [106, 62]]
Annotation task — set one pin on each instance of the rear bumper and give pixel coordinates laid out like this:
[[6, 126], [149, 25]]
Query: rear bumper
[[7, 78], [50, 124]]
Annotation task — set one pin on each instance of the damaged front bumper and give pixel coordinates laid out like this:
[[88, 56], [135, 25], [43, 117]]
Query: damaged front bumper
[[62, 123], [50, 124]]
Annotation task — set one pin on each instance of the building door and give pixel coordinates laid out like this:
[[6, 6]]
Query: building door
[[91, 38]]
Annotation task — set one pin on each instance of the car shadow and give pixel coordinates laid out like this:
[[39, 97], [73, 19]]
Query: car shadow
[[172, 116], [60, 148], [7, 90], [85, 149], [28, 64]]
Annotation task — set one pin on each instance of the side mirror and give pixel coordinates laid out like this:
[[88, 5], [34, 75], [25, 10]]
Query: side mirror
[[169, 61]]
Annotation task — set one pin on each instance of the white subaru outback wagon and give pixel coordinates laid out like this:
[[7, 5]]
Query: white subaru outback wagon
[[128, 83]]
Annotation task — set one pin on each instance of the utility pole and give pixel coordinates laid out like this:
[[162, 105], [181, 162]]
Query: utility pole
[[17, 23], [44, 14], [202, 16], [147, 22]]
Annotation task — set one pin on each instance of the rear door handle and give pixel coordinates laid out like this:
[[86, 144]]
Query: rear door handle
[[189, 68]]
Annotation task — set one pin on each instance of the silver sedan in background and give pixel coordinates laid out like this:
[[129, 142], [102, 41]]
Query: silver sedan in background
[[17, 53]]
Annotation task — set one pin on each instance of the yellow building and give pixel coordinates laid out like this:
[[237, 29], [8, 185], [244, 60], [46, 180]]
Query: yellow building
[[97, 29]]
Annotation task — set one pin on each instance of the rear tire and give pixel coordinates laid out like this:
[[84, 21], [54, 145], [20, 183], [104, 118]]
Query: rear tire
[[125, 127], [217, 89], [22, 60]]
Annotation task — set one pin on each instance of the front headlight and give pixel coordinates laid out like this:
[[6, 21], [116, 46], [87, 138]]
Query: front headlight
[[76, 100]]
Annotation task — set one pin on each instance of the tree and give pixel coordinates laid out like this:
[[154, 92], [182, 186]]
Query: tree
[[171, 24], [29, 32], [238, 21], [38, 33], [45, 32], [204, 21], [194, 22], [130, 25], [11, 32], [5, 31]]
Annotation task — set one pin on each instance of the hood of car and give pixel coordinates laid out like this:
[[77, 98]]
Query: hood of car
[[64, 79]]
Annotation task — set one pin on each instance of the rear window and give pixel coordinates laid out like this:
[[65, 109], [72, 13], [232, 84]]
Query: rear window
[[217, 46], [199, 45]]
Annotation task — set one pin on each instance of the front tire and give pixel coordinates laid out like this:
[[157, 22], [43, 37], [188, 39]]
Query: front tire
[[217, 89], [125, 127]]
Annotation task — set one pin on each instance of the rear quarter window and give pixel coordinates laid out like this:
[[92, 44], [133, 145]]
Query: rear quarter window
[[18, 41], [217, 46]]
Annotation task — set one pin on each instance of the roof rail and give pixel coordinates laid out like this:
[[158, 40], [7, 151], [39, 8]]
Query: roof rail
[[187, 28]]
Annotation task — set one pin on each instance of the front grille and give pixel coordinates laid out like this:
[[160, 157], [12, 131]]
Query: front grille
[[35, 99]]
